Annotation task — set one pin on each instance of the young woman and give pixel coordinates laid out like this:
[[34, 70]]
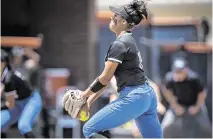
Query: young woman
[[137, 99], [22, 103]]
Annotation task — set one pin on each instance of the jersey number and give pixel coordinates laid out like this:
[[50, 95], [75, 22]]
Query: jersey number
[[140, 60]]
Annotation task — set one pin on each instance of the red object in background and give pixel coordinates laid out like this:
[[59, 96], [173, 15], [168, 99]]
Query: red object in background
[[55, 78]]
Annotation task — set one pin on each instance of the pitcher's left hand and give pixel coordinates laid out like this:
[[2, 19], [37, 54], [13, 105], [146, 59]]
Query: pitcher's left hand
[[72, 102]]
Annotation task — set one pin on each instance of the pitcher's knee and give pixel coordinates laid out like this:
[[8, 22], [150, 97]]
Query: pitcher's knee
[[24, 127], [88, 130]]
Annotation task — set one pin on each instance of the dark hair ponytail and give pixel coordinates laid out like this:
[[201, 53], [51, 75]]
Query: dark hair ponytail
[[137, 10], [5, 58]]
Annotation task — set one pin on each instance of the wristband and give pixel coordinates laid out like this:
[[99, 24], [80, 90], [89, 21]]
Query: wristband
[[4, 107], [96, 86]]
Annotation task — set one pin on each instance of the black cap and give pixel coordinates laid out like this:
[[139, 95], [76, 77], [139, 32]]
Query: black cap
[[179, 64], [122, 12]]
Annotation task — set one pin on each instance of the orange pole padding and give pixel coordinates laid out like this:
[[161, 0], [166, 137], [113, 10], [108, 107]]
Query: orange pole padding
[[198, 47], [193, 47], [170, 48], [11, 41], [162, 21]]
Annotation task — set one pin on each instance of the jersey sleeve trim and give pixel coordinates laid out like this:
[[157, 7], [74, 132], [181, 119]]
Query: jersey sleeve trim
[[115, 60]]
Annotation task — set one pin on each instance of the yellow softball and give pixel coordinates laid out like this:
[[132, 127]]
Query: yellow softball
[[83, 116]]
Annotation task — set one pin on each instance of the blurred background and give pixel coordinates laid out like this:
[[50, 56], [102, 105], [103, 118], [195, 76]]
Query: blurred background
[[72, 38]]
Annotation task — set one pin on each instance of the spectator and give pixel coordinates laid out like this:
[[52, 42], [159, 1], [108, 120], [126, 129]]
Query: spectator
[[186, 95]]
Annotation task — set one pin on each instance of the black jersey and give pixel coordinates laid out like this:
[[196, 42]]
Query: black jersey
[[29, 75], [22, 70], [130, 70], [14, 83], [186, 91]]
